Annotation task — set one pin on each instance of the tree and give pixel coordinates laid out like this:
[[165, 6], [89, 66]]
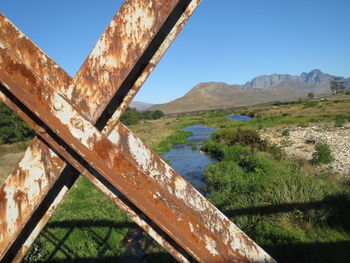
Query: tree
[[130, 116], [146, 115], [157, 114], [12, 128], [151, 114], [310, 95]]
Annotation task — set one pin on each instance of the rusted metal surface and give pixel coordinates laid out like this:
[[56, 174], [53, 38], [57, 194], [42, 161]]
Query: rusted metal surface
[[40, 167], [53, 75], [38, 62], [124, 50], [150, 184]]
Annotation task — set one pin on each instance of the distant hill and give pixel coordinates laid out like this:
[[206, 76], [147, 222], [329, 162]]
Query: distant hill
[[140, 106], [315, 80], [261, 89]]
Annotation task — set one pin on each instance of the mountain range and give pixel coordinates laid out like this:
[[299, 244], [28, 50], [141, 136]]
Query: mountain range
[[266, 88]]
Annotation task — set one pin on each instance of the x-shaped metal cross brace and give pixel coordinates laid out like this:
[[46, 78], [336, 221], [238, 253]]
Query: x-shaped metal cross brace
[[78, 132]]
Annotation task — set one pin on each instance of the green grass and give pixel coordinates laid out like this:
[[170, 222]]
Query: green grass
[[294, 216], [178, 137], [86, 225]]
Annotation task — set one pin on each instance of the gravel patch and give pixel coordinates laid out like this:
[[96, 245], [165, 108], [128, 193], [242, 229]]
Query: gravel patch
[[300, 143]]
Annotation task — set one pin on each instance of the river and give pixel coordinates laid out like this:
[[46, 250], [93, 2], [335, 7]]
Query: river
[[187, 159]]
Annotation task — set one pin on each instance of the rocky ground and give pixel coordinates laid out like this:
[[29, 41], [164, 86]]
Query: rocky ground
[[300, 143]]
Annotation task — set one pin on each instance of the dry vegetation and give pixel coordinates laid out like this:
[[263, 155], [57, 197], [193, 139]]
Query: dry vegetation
[[153, 132], [9, 156]]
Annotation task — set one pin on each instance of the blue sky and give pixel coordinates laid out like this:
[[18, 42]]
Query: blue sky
[[225, 40]]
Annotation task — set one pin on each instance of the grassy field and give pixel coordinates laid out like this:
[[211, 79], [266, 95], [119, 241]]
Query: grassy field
[[292, 209]]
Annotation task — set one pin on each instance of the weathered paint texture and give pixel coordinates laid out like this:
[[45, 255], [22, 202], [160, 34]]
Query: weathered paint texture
[[42, 65], [63, 113]]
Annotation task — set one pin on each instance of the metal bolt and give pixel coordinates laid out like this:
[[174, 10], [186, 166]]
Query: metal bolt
[[58, 106], [78, 124]]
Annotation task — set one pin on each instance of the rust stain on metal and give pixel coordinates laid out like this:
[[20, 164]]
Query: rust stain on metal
[[58, 79], [116, 53]]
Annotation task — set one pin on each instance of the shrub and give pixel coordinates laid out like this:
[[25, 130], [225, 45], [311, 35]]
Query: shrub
[[322, 154], [244, 137], [285, 133], [12, 128], [340, 120]]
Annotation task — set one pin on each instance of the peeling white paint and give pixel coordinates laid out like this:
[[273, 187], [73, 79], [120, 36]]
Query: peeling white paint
[[12, 211], [21, 35], [143, 16], [180, 184], [210, 244], [114, 137], [110, 61], [105, 78], [191, 227], [98, 50], [44, 58], [141, 155]]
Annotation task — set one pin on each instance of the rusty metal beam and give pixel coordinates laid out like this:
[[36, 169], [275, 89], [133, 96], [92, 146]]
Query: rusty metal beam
[[176, 206], [39, 168], [43, 65]]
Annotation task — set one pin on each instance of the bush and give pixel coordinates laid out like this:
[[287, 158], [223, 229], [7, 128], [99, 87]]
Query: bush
[[130, 117], [285, 133], [310, 95], [322, 154], [244, 137], [12, 128]]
